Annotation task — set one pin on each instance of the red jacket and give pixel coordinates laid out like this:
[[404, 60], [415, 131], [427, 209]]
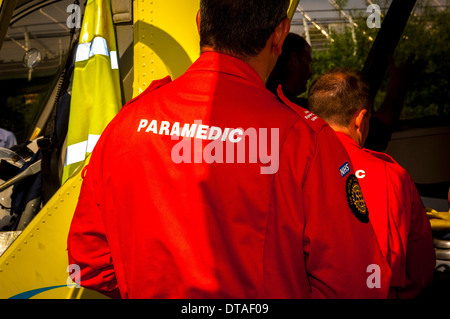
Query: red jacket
[[156, 219], [398, 218]]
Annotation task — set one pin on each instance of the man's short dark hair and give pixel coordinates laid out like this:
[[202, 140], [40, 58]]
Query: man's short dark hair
[[239, 27], [292, 43], [338, 94]]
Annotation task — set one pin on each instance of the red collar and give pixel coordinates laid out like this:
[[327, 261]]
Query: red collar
[[223, 63], [345, 138]]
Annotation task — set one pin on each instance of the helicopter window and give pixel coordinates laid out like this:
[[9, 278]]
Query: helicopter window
[[32, 55], [342, 33]]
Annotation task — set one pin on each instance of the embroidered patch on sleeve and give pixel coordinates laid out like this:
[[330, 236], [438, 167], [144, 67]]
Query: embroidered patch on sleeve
[[356, 200], [344, 169]]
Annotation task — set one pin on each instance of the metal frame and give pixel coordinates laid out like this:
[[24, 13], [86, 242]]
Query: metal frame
[[7, 10], [386, 41]]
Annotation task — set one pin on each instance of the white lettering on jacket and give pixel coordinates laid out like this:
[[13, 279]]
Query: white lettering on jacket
[[214, 152], [204, 132], [360, 173]]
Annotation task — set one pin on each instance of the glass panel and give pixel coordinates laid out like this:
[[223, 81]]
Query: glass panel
[[426, 35], [340, 36], [32, 55], [338, 32]]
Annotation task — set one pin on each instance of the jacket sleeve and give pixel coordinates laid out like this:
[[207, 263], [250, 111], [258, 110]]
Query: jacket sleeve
[[343, 258], [420, 253], [87, 243]]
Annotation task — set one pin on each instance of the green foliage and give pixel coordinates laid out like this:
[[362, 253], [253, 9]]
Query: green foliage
[[348, 48], [426, 35]]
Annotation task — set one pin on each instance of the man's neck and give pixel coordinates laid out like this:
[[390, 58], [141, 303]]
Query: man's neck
[[350, 133], [260, 63]]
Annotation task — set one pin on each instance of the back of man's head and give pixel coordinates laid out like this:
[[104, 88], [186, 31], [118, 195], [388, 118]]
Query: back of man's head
[[338, 95], [239, 27], [292, 43], [293, 68]]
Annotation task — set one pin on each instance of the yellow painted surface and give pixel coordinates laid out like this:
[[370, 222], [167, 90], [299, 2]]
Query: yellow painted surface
[[166, 40], [38, 257]]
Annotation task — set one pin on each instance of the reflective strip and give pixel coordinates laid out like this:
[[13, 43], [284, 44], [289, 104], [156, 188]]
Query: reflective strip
[[92, 140], [77, 152], [114, 61], [99, 46], [83, 51]]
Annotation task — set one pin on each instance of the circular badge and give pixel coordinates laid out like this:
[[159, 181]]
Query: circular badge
[[356, 200]]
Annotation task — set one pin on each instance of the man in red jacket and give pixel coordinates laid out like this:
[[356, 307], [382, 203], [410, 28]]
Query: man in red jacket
[[209, 186], [342, 99]]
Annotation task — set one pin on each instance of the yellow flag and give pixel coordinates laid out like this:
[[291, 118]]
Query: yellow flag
[[96, 96]]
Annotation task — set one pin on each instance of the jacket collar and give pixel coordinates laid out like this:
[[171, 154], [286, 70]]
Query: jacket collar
[[223, 63], [344, 137]]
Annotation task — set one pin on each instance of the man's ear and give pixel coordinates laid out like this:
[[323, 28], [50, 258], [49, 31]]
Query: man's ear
[[280, 33], [198, 19], [359, 117]]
